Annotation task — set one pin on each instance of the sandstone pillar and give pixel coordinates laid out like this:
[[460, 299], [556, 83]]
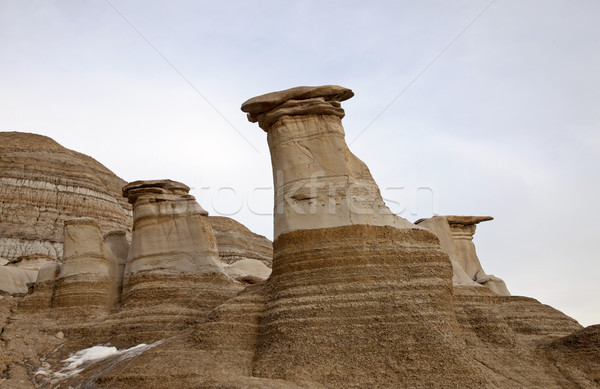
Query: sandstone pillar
[[87, 276], [463, 229], [439, 225], [173, 257], [356, 292], [318, 182]]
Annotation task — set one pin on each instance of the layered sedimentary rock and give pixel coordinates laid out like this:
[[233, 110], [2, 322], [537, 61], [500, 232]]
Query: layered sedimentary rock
[[360, 305], [246, 256], [42, 295], [88, 276], [507, 335], [440, 227], [235, 242], [30, 261], [173, 249], [463, 229], [42, 184], [456, 238]]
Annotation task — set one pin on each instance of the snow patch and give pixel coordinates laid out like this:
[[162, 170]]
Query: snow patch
[[80, 360]]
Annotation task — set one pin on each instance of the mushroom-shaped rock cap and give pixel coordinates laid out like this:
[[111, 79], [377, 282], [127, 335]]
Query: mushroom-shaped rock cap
[[467, 220], [263, 103], [135, 188]]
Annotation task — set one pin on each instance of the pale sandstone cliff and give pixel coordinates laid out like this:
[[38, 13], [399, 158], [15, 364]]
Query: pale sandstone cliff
[[357, 297]]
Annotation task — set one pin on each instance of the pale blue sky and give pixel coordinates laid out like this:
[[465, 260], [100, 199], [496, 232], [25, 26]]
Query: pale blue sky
[[505, 122]]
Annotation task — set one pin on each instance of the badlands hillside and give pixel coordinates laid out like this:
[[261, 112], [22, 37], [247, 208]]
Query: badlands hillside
[[108, 284]]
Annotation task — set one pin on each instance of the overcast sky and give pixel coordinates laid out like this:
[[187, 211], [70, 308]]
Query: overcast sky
[[491, 108]]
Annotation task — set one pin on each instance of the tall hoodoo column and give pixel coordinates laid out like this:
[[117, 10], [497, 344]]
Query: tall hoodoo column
[[318, 182], [356, 292], [173, 256]]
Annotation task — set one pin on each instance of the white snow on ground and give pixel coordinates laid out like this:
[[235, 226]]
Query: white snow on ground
[[82, 359]]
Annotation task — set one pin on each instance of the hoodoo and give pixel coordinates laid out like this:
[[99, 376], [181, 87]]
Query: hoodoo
[[173, 259], [456, 237], [318, 182], [359, 294]]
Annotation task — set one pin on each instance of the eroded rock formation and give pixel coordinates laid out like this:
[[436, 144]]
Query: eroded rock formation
[[175, 275], [116, 247], [357, 297], [42, 294], [17, 275], [456, 238], [318, 182], [173, 249], [14, 280], [42, 184]]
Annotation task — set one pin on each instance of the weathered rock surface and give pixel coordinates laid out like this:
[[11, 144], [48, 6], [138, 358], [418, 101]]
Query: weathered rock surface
[[261, 108], [162, 297], [42, 295], [116, 248], [235, 242], [248, 270], [87, 277], [14, 280], [42, 184], [172, 242], [17, 274], [507, 335], [30, 261]]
